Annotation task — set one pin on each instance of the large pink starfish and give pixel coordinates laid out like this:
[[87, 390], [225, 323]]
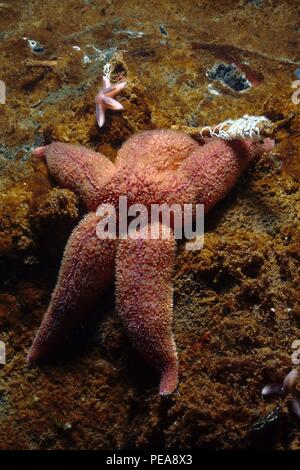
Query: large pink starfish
[[160, 166]]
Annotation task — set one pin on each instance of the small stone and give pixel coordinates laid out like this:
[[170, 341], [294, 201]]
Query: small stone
[[35, 46], [2, 353], [163, 30]]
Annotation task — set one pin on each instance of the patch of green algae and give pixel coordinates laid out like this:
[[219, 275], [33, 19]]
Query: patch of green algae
[[236, 302]]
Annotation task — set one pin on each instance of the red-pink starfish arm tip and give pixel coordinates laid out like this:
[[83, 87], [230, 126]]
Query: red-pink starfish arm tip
[[39, 152], [79, 169]]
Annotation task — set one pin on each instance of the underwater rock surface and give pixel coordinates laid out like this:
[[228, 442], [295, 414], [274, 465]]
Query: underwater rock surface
[[236, 302]]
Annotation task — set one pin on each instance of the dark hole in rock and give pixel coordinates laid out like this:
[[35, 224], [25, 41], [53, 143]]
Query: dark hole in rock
[[119, 69], [230, 75]]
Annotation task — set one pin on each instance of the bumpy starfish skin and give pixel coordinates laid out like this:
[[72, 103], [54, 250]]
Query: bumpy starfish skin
[[78, 168], [159, 166], [212, 170], [87, 269], [167, 166], [144, 301]]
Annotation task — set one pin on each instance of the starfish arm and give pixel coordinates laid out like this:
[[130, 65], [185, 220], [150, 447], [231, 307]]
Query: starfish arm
[[212, 169], [79, 169], [87, 269], [115, 89], [100, 114], [144, 301], [162, 149], [106, 82], [112, 104]]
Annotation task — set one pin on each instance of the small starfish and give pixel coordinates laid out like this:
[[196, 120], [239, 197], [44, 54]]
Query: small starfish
[[288, 386], [105, 99], [154, 167]]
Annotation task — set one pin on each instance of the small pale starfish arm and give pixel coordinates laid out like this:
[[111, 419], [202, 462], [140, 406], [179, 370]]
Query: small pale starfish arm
[[144, 301], [79, 169], [105, 99], [81, 280]]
